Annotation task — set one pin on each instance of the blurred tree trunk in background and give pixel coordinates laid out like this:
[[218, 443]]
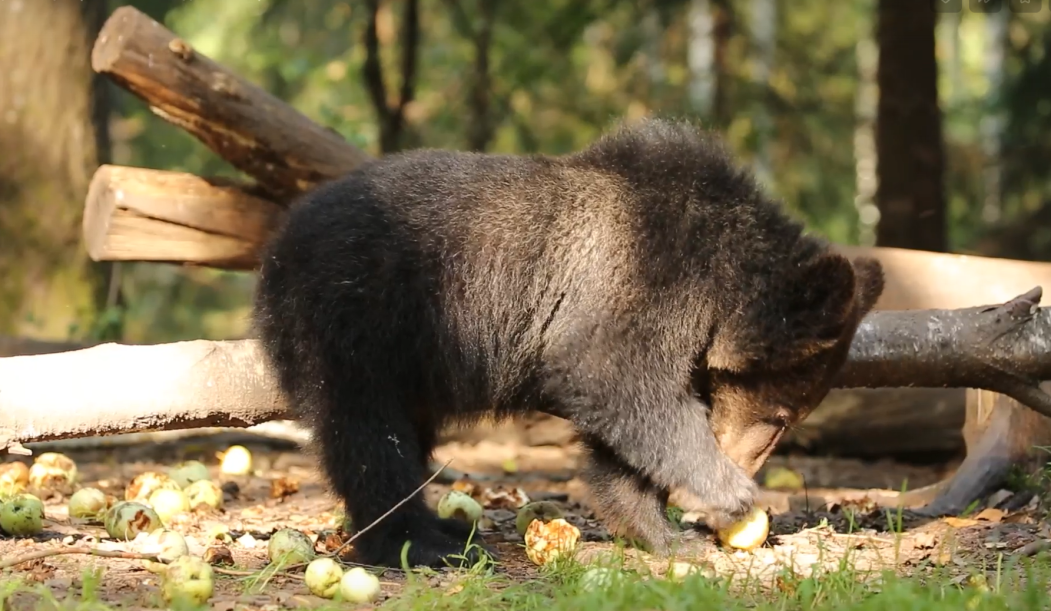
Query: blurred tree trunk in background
[[723, 29], [764, 47], [709, 36], [911, 159], [53, 134], [992, 123]]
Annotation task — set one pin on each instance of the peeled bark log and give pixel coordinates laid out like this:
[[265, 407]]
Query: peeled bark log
[[923, 280], [112, 389], [109, 389], [255, 131], [138, 214]]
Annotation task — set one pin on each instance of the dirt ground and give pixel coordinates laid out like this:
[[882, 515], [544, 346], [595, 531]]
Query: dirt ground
[[836, 515]]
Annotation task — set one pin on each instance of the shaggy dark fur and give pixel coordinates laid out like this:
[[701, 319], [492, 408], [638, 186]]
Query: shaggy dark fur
[[643, 288]]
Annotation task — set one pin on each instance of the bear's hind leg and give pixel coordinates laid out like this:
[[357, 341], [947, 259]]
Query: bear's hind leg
[[427, 434], [372, 457]]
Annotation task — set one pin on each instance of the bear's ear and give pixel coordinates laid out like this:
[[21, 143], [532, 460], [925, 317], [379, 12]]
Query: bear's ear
[[816, 304], [869, 280], [822, 299], [834, 294]]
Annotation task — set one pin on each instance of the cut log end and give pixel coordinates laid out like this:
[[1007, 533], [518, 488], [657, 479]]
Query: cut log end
[[115, 35], [135, 214]]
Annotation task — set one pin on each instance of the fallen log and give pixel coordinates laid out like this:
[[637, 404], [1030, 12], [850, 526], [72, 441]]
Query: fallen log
[[256, 132], [139, 214], [923, 280], [1005, 349], [857, 422], [110, 388]]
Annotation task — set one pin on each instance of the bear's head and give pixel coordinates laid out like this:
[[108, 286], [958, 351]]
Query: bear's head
[[773, 361]]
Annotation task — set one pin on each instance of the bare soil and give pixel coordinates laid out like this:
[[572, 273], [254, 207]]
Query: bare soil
[[837, 515]]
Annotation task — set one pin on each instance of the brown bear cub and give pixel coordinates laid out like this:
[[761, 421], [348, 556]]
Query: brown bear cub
[[643, 288]]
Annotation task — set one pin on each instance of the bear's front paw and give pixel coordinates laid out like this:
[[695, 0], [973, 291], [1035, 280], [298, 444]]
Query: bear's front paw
[[728, 502]]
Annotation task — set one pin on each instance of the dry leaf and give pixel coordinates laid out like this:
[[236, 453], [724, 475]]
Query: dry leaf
[[219, 555], [466, 486], [786, 586], [990, 514], [282, 487], [923, 540], [455, 589], [959, 522], [504, 498]]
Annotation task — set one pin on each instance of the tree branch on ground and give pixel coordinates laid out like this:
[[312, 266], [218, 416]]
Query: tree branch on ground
[[110, 388], [1005, 348]]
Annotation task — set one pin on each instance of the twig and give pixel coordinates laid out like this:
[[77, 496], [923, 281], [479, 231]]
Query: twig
[[1033, 548], [90, 551], [392, 509], [233, 572]]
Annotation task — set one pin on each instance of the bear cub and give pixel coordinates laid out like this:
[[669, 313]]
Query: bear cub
[[643, 288]]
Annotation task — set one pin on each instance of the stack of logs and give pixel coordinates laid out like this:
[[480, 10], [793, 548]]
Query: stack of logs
[[138, 214]]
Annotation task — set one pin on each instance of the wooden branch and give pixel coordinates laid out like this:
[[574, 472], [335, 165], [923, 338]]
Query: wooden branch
[[1005, 348], [255, 131], [112, 389], [1000, 434], [137, 214]]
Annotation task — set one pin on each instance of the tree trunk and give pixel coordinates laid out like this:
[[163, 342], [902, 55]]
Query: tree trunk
[[700, 58], [992, 123], [722, 30], [764, 40], [53, 134], [865, 154], [910, 166]]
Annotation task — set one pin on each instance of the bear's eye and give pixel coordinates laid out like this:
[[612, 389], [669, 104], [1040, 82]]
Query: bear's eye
[[781, 418], [701, 383]]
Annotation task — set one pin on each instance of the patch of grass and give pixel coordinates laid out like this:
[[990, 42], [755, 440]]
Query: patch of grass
[[1024, 587], [567, 585]]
